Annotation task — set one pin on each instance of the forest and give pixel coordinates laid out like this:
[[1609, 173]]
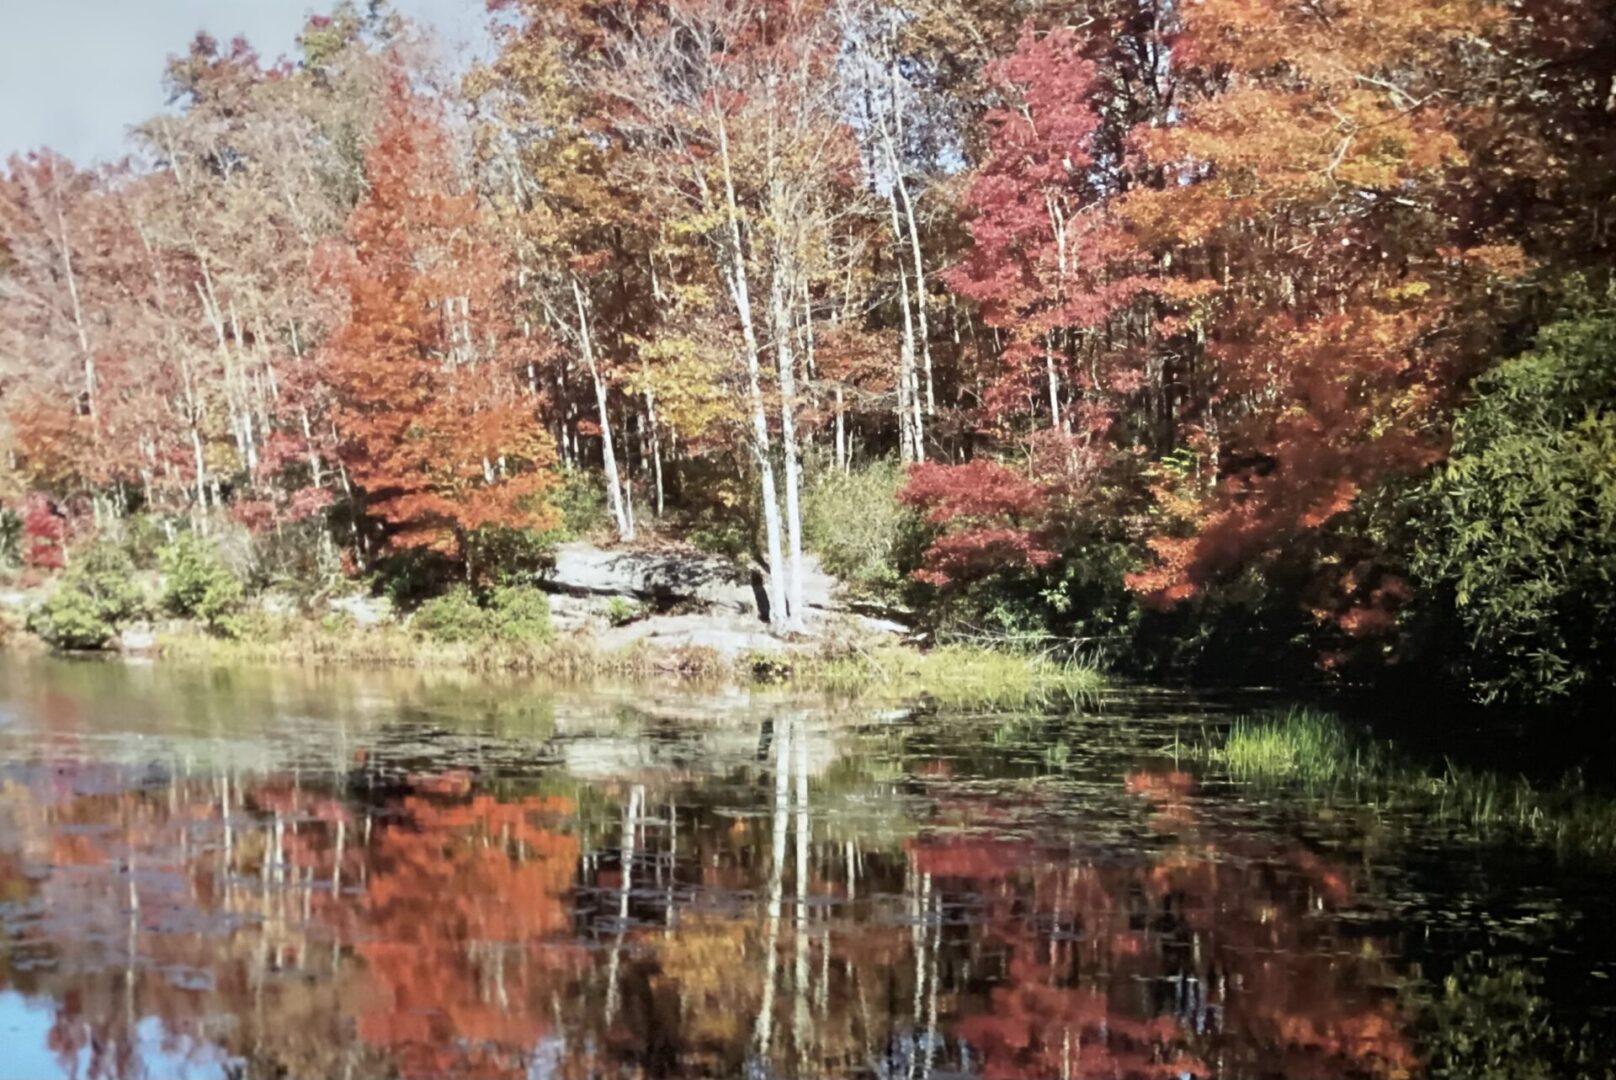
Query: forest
[[1223, 340]]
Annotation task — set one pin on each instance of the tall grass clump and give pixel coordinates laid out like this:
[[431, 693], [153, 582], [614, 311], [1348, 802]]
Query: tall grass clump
[[1315, 750], [1297, 744], [518, 614]]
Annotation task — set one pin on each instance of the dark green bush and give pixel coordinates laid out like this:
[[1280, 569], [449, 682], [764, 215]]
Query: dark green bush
[[519, 613], [197, 584], [581, 499], [513, 613], [453, 617], [93, 601], [621, 612], [1520, 537]]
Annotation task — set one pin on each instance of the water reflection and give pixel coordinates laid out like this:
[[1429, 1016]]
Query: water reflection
[[783, 894]]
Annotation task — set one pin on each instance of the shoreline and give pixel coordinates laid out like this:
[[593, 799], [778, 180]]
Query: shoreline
[[950, 676]]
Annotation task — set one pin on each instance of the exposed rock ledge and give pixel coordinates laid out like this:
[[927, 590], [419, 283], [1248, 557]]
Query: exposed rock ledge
[[691, 599]]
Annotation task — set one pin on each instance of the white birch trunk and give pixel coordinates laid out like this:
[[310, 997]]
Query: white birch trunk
[[741, 294], [586, 345], [781, 315]]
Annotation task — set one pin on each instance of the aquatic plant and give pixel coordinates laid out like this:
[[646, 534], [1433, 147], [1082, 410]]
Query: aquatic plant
[[1318, 751]]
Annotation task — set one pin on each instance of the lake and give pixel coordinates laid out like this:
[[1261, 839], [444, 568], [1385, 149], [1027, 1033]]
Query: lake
[[320, 873]]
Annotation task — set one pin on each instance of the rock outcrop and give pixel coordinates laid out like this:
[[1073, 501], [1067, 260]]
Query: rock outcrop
[[690, 599], [662, 578]]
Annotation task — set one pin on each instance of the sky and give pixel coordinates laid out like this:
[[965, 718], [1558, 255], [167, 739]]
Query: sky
[[75, 74]]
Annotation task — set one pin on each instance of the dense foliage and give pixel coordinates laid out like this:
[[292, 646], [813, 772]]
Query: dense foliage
[[94, 599], [197, 584], [1137, 325], [1522, 535]]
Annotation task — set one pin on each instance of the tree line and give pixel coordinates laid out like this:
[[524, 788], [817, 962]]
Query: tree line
[[1240, 321]]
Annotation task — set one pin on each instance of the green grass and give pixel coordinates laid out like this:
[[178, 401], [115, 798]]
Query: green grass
[[1298, 744], [954, 677], [959, 677], [567, 657], [1317, 751]]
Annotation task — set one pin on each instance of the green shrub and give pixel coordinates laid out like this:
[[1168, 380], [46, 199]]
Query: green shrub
[[581, 498], [510, 556], [855, 524], [10, 538], [197, 584], [454, 616], [621, 612], [93, 601], [514, 613], [1521, 534], [519, 613]]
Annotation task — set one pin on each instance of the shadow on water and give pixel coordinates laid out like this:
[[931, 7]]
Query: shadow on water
[[255, 873]]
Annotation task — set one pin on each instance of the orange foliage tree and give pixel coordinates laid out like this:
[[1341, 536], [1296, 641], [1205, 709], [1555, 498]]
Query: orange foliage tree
[[437, 428]]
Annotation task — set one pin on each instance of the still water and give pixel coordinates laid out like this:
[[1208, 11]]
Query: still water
[[265, 873]]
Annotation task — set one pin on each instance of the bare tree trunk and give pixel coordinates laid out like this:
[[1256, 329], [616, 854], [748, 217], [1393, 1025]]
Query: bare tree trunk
[[841, 431], [741, 294], [656, 449], [1054, 387], [892, 136], [781, 314], [85, 355], [586, 345], [910, 425], [920, 288]]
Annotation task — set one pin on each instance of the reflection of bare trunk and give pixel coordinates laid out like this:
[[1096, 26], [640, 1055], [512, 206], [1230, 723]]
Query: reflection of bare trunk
[[608, 455], [764, 1031], [936, 927], [631, 817], [799, 988]]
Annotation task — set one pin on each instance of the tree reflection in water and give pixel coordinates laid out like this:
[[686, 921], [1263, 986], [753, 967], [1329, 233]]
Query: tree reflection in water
[[775, 920]]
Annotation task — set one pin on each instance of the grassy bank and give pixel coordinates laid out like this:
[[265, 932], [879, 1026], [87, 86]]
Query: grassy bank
[[952, 677], [569, 656], [960, 677], [1315, 750]]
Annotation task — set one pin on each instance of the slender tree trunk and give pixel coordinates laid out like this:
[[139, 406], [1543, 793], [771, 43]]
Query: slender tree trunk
[[656, 449], [841, 431], [1054, 387], [780, 311], [586, 345], [87, 357], [909, 414], [924, 330], [741, 294]]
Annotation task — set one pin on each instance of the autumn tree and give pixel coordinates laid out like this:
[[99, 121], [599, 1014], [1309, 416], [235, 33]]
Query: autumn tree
[[435, 428]]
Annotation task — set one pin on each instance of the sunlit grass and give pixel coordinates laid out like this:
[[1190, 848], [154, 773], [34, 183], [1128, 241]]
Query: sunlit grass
[[1301, 744], [955, 677], [958, 677], [1316, 750], [568, 657]]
